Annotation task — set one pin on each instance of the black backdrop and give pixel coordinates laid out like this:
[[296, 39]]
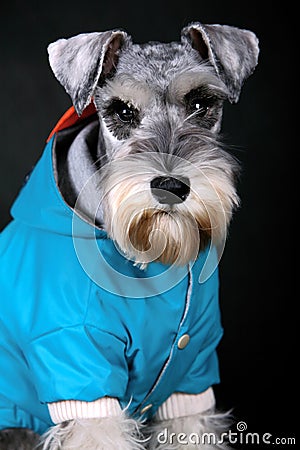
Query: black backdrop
[[257, 353]]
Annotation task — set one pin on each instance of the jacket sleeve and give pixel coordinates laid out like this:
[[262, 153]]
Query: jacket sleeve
[[183, 405], [77, 363]]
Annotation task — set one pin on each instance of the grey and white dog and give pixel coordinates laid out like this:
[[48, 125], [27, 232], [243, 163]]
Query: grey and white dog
[[166, 183]]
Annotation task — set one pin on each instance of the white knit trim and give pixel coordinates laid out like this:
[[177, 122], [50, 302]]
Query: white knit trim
[[181, 405], [75, 409]]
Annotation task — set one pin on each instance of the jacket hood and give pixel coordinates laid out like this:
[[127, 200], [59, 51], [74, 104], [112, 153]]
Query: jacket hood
[[41, 206], [40, 203]]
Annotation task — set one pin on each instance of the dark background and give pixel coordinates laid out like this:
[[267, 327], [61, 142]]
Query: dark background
[[257, 354]]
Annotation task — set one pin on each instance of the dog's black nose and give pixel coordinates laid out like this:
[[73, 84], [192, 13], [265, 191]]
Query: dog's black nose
[[170, 190]]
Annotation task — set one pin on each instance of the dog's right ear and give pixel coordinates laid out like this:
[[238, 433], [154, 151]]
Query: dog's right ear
[[80, 61]]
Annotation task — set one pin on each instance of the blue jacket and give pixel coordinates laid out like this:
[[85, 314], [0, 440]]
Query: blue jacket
[[65, 334]]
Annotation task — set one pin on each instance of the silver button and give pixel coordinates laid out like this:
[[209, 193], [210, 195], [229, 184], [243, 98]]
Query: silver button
[[183, 341], [146, 408]]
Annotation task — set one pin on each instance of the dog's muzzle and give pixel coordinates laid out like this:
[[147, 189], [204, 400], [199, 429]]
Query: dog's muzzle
[[170, 190]]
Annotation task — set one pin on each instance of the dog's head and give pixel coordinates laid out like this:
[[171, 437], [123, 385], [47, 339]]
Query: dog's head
[[167, 185]]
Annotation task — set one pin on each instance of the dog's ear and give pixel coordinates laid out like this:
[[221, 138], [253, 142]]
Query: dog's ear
[[80, 61], [232, 52]]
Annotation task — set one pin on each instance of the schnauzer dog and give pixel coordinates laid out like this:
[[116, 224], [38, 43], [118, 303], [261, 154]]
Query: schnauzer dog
[[109, 287]]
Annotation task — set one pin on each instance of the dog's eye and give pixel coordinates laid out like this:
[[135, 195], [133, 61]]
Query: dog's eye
[[120, 117], [199, 106], [199, 102], [125, 112]]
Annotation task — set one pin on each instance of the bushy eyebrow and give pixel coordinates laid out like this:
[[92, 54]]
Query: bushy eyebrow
[[185, 82], [130, 90]]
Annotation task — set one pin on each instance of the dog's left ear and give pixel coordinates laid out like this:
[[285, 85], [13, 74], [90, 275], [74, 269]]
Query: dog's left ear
[[80, 61], [232, 52]]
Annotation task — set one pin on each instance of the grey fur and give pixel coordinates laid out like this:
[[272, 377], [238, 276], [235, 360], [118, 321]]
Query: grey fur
[[78, 62], [232, 52], [19, 439], [154, 78], [176, 93]]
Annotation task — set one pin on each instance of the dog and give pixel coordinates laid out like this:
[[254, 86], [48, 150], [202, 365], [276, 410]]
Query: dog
[[109, 280]]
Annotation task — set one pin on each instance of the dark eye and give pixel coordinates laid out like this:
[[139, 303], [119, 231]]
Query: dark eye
[[199, 106], [125, 112]]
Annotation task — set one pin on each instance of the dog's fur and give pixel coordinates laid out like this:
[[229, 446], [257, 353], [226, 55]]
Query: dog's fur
[[160, 109]]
